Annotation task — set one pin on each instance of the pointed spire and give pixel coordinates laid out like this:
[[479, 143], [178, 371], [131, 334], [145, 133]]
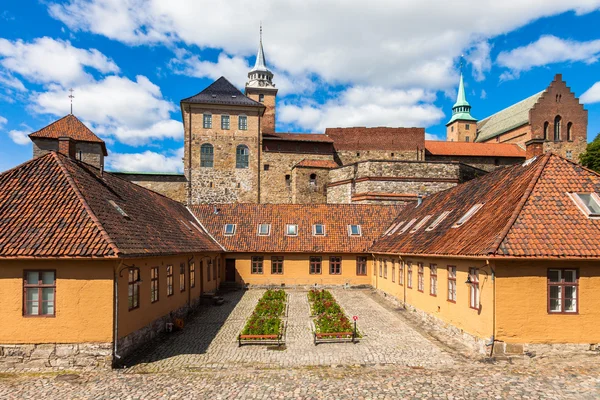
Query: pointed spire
[[461, 99], [461, 110], [261, 64]]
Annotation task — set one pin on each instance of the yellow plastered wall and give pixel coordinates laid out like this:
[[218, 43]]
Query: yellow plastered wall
[[133, 320], [83, 303], [522, 304], [296, 270], [477, 322]]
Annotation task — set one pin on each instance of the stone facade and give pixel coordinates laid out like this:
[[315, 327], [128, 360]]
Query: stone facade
[[170, 185], [267, 122], [309, 185], [60, 356], [485, 163], [88, 152], [346, 157]]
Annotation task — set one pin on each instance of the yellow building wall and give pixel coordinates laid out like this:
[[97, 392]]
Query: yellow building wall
[[522, 304], [296, 270], [478, 323], [83, 303]]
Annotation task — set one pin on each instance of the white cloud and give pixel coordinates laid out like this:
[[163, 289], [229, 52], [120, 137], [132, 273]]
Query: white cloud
[[46, 60], [20, 137], [546, 50], [479, 58], [3, 121], [233, 68], [483, 94], [148, 161], [592, 95]]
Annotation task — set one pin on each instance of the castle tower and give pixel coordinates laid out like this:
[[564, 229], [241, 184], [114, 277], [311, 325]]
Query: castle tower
[[260, 87], [462, 127]]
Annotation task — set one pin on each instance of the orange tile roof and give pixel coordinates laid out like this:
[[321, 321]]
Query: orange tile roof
[[378, 138], [317, 163], [526, 213], [442, 148], [54, 206], [336, 218], [71, 127]]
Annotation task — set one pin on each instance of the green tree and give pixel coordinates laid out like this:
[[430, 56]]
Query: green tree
[[591, 157]]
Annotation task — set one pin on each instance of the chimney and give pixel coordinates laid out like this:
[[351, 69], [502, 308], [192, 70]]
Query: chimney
[[534, 148], [66, 146]]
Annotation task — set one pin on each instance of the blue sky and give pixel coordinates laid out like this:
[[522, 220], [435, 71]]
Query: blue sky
[[391, 64]]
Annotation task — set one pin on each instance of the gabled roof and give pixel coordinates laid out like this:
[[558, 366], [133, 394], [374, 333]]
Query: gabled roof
[[526, 212], [298, 137], [54, 206], [507, 119], [465, 149], [69, 126], [308, 163], [222, 91], [378, 138], [336, 218]]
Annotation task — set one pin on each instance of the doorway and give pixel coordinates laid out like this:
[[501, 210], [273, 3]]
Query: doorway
[[230, 269]]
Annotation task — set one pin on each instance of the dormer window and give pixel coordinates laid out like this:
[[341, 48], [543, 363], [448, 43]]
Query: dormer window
[[291, 230], [420, 224], [264, 229], [229, 229], [438, 221], [354, 230], [468, 215], [319, 230], [588, 203]]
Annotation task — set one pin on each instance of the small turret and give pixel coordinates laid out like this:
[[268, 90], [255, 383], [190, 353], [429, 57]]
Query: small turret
[[462, 127]]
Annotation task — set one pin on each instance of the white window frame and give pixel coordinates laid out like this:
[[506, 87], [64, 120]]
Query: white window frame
[[583, 207], [438, 221], [287, 229], [225, 117], [240, 126], [468, 215], [225, 233], [350, 230], [315, 230], [420, 224], [207, 116], [268, 230], [408, 225]]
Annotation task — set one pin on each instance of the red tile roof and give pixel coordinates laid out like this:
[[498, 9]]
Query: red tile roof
[[336, 218], [54, 206], [298, 137], [442, 148], [526, 213], [317, 163], [71, 127], [379, 138]]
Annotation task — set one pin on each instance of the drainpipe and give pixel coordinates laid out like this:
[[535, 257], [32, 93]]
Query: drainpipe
[[116, 313], [375, 270], [487, 262], [403, 280]]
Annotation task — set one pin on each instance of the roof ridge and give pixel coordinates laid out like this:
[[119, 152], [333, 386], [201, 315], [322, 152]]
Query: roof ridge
[[514, 104], [534, 180], [84, 203], [50, 124]]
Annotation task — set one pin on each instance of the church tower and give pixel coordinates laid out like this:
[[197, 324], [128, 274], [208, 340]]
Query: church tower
[[462, 127], [260, 87]]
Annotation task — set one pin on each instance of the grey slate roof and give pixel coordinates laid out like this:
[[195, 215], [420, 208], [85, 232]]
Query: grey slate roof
[[507, 119], [222, 91]]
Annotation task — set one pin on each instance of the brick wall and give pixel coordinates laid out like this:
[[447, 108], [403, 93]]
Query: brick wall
[[461, 131], [267, 122], [90, 153]]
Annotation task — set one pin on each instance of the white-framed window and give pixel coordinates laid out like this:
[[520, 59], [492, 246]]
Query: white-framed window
[[207, 155], [291, 230], [264, 229], [562, 291], [438, 221], [229, 229], [420, 224], [225, 122], [319, 230], [207, 120], [242, 155], [243, 123], [433, 279], [474, 288], [354, 230], [588, 203], [452, 283], [468, 215], [408, 225]]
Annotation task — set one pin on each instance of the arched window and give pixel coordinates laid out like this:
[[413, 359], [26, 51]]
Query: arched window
[[557, 122], [546, 125], [313, 179], [241, 156], [570, 131], [206, 155]]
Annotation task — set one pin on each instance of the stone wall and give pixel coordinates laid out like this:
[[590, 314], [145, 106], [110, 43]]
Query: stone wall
[[267, 122], [346, 157], [170, 185], [90, 153], [60, 356], [486, 163], [304, 191]]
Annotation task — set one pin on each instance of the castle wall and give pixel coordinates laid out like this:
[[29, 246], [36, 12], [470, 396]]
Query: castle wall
[[486, 163], [306, 192], [267, 121], [352, 156], [170, 185]]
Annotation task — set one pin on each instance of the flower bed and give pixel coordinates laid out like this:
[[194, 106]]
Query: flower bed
[[331, 323], [266, 325]]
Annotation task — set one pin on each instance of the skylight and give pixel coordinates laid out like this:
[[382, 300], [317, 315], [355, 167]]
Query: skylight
[[319, 230], [264, 229], [438, 221], [420, 224], [119, 209], [229, 229], [396, 228], [468, 215], [589, 203], [354, 230], [408, 225], [291, 230]]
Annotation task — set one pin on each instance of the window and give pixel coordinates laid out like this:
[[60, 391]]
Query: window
[[438, 221], [433, 279], [241, 156], [261, 98], [225, 122], [169, 280], [393, 270], [207, 121], [361, 265], [319, 230], [266, 167], [452, 283], [467, 139], [208, 268], [39, 289], [288, 181], [182, 277], [229, 229], [401, 273], [468, 215], [384, 269], [257, 265], [467, 127], [153, 284], [408, 225], [335, 265], [264, 229], [562, 290], [313, 180], [569, 154], [420, 278], [546, 127], [420, 224], [243, 123], [133, 291], [206, 155], [315, 266], [570, 131], [557, 122], [277, 265], [589, 203], [409, 275], [354, 230], [291, 230], [192, 275], [380, 263], [474, 288]]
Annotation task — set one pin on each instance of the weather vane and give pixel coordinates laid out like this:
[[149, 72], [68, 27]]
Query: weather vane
[[71, 97], [462, 60]]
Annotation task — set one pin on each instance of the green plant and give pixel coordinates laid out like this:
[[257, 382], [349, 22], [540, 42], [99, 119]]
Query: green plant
[[591, 157]]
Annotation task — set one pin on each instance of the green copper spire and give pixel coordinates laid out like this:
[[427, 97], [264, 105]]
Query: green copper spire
[[461, 110]]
